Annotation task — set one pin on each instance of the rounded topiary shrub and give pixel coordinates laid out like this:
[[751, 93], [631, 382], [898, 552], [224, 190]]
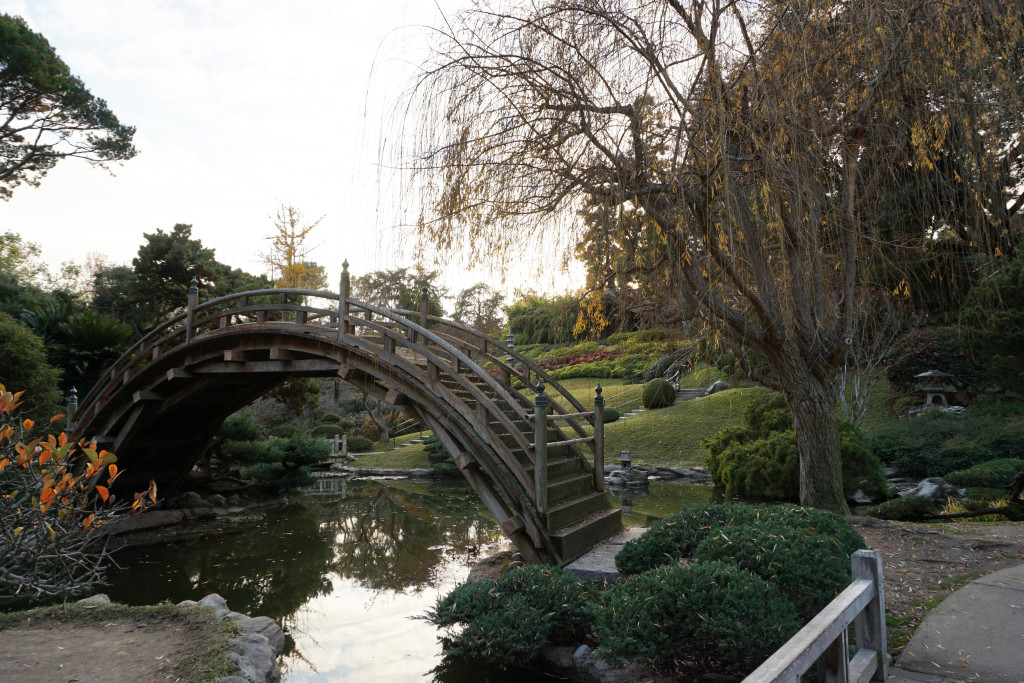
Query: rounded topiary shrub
[[658, 393], [330, 418], [326, 431], [357, 444], [715, 606], [611, 415]]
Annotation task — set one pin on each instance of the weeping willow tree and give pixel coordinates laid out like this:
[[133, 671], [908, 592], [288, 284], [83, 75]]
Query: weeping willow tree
[[764, 141]]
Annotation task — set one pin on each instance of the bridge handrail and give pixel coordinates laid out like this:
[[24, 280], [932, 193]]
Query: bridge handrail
[[824, 640], [133, 352], [396, 315], [503, 451]]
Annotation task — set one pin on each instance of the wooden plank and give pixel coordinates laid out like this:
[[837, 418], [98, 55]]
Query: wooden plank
[[267, 366], [235, 356], [178, 373], [281, 354], [144, 395], [869, 625], [802, 650], [466, 461], [396, 399], [863, 666], [512, 525]]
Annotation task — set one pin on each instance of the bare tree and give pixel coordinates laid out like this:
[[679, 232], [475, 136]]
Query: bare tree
[[882, 320], [755, 137]]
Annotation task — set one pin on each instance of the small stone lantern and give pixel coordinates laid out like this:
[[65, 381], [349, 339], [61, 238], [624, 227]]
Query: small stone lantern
[[933, 386], [625, 460]]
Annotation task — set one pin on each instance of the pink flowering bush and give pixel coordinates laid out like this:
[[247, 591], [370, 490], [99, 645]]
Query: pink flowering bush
[[932, 348]]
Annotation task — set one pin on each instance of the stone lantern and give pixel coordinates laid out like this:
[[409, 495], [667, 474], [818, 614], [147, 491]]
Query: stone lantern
[[934, 388]]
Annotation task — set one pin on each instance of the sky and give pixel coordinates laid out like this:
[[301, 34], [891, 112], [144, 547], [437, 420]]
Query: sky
[[241, 106]]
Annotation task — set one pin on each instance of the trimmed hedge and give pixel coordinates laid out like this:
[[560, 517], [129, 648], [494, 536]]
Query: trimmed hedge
[[611, 415], [994, 474], [327, 430], [357, 444], [330, 418], [805, 553], [905, 509], [658, 393], [934, 443], [669, 611], [509, 619]]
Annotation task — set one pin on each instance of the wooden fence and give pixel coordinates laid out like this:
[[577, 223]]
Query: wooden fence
[[825, 641]]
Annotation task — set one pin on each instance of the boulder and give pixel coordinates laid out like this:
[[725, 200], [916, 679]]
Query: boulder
[[716, 387], [98, 599], [254, 660], [190, 499], [935, 488], [218, 500]]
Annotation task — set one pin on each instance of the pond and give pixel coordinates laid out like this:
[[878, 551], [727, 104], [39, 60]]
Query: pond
[[346, 570]]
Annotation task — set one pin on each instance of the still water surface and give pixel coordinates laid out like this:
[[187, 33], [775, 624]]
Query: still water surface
[[347, 571]]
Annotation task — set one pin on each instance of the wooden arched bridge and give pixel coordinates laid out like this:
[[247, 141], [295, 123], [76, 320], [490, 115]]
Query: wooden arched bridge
[[160, 404]]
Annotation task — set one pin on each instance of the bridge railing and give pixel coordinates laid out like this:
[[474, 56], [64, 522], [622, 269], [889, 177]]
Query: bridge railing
[[824, 641], [440, 342]]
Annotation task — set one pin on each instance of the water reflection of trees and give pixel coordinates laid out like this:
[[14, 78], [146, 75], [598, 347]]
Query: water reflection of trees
[[272, 569], [390, 538]]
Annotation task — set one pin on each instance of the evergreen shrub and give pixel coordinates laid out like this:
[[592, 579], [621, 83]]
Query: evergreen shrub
[[905, 509], [761, 459], [934, 348], [658, 393], [330, 418], [611, 415], [935, 443], [678, 536], [357, 444], [993, 474], [327, 430], [671, 611], [508, 620]]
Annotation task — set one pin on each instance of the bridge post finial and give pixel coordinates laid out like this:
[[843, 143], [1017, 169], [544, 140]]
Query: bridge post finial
[[193, 301], [344, 291], [540, 449], [598, 438], [72, 409], [424, 306]]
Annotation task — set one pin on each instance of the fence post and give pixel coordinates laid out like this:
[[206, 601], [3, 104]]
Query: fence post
[[344, 289], [424, 308], [344, 444], [193, 299], [598, 438], [540, 448], [72, 409], [869, 625]]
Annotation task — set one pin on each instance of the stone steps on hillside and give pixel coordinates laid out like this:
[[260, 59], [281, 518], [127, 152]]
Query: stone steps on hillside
[[681, 395]]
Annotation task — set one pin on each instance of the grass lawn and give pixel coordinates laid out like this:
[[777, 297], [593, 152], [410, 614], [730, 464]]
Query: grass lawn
[[671, 436], [408, 458]]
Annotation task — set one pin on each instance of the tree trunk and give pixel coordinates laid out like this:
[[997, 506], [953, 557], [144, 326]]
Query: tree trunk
[[812, 401]]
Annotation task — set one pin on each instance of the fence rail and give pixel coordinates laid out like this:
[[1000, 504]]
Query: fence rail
[[824, 641]]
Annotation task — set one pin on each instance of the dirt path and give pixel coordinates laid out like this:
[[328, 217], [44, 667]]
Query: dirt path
[[108, 652], [91, 643], [923, 563]]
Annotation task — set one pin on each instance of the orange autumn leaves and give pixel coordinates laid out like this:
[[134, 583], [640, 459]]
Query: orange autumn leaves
[[64, 474]]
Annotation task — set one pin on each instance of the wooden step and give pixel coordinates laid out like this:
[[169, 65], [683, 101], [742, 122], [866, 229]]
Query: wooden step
[[569, 485], [574, 540], [571, 510], [557, 468]]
